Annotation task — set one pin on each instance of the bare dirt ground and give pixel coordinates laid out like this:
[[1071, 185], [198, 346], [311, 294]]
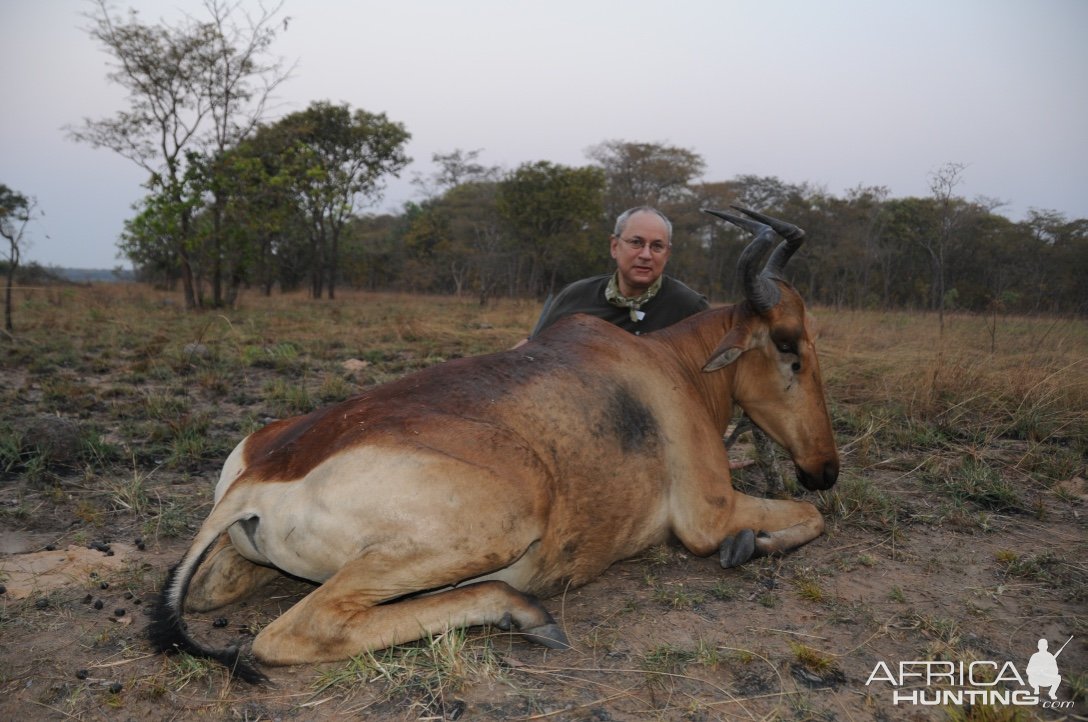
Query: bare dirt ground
[[939, 549]]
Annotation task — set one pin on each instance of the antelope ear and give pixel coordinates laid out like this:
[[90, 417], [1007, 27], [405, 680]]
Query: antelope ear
[[736, 342]]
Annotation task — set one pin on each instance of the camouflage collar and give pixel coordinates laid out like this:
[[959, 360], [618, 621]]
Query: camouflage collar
[[613, 295]]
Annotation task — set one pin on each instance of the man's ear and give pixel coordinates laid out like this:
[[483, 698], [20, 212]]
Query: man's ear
[[736, 342]]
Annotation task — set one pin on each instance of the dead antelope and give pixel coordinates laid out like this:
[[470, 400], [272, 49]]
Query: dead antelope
[[457, 495]]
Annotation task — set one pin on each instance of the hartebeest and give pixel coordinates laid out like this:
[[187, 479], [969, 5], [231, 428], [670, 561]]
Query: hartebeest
[[450, 496]]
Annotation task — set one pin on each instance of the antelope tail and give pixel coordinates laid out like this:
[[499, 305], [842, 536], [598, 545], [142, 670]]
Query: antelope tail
[[167, 631]]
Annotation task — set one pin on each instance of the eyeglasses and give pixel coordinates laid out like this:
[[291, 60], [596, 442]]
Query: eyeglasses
[[637, 244]]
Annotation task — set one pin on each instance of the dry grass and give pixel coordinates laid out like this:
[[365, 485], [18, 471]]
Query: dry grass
[[991, 428], [1033, 387]]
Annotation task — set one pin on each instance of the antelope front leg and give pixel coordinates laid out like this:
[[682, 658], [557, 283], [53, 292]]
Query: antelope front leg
[[708, 515], [766, 526]]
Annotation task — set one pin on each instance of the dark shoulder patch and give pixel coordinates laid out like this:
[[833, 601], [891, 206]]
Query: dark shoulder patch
[[631, 421]]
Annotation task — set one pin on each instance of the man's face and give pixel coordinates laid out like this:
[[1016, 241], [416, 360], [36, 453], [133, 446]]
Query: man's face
[[640, 267]]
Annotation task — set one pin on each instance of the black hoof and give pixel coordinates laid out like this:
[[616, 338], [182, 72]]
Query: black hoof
[[550, 635], [735, 550]]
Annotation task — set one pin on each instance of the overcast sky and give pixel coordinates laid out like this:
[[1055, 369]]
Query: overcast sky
[[835, 93]]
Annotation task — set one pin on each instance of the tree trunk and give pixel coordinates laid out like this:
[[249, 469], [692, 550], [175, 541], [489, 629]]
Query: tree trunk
[[187, 282], [234, 287], [217, 252], [317, 266], [7, 299], [332, 261]]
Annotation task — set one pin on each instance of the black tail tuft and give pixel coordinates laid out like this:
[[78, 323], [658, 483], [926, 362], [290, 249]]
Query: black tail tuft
[[166, 631], [168, 635]]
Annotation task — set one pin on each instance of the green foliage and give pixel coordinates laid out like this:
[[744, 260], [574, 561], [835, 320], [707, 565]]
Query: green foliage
[[555, 213], [331, 158]]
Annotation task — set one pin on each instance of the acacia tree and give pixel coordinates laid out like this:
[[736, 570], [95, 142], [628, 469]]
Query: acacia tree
[[16, 211], [335, 159], [191, 86]]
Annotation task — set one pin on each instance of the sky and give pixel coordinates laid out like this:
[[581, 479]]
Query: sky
[[833, 93]]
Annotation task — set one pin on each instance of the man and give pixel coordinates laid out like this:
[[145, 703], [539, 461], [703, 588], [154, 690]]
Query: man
[[637, 297]]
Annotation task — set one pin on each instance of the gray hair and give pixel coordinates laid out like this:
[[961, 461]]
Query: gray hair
[[621, 221]]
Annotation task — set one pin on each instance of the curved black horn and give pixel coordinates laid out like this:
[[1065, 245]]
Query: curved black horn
[[758, 289], [792, 235]]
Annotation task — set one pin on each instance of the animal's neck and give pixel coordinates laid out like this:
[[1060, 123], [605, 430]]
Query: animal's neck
[[689, 343]]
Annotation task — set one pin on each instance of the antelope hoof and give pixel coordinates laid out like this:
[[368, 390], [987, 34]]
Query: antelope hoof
[[735, 550], [550, 635]]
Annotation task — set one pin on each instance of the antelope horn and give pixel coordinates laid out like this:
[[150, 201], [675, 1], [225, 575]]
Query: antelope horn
[[760, 291], [793, 236]]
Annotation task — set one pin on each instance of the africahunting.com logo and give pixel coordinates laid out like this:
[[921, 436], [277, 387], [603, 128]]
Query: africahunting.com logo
[[940, 683]]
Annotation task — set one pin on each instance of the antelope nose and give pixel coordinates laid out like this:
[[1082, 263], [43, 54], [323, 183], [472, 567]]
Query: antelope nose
[[821, 478]]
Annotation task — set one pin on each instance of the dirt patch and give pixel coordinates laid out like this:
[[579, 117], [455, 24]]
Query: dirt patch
[[40, 573]]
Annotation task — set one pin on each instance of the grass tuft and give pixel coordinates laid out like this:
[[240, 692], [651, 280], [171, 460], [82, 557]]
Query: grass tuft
[[424, 675]]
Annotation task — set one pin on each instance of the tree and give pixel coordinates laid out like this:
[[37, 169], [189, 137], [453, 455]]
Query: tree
[[376, 254], [556, 215], [191, 87], [951, 214], [848, 265], [335, 159], [905, 222], [149, 240], [457, 232], [476, 225], [767, 192], [236, 107], [428, 248], [16, 212], [1062, 247], [705, 250], [645, 174], [260, 216], [454, 168]]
